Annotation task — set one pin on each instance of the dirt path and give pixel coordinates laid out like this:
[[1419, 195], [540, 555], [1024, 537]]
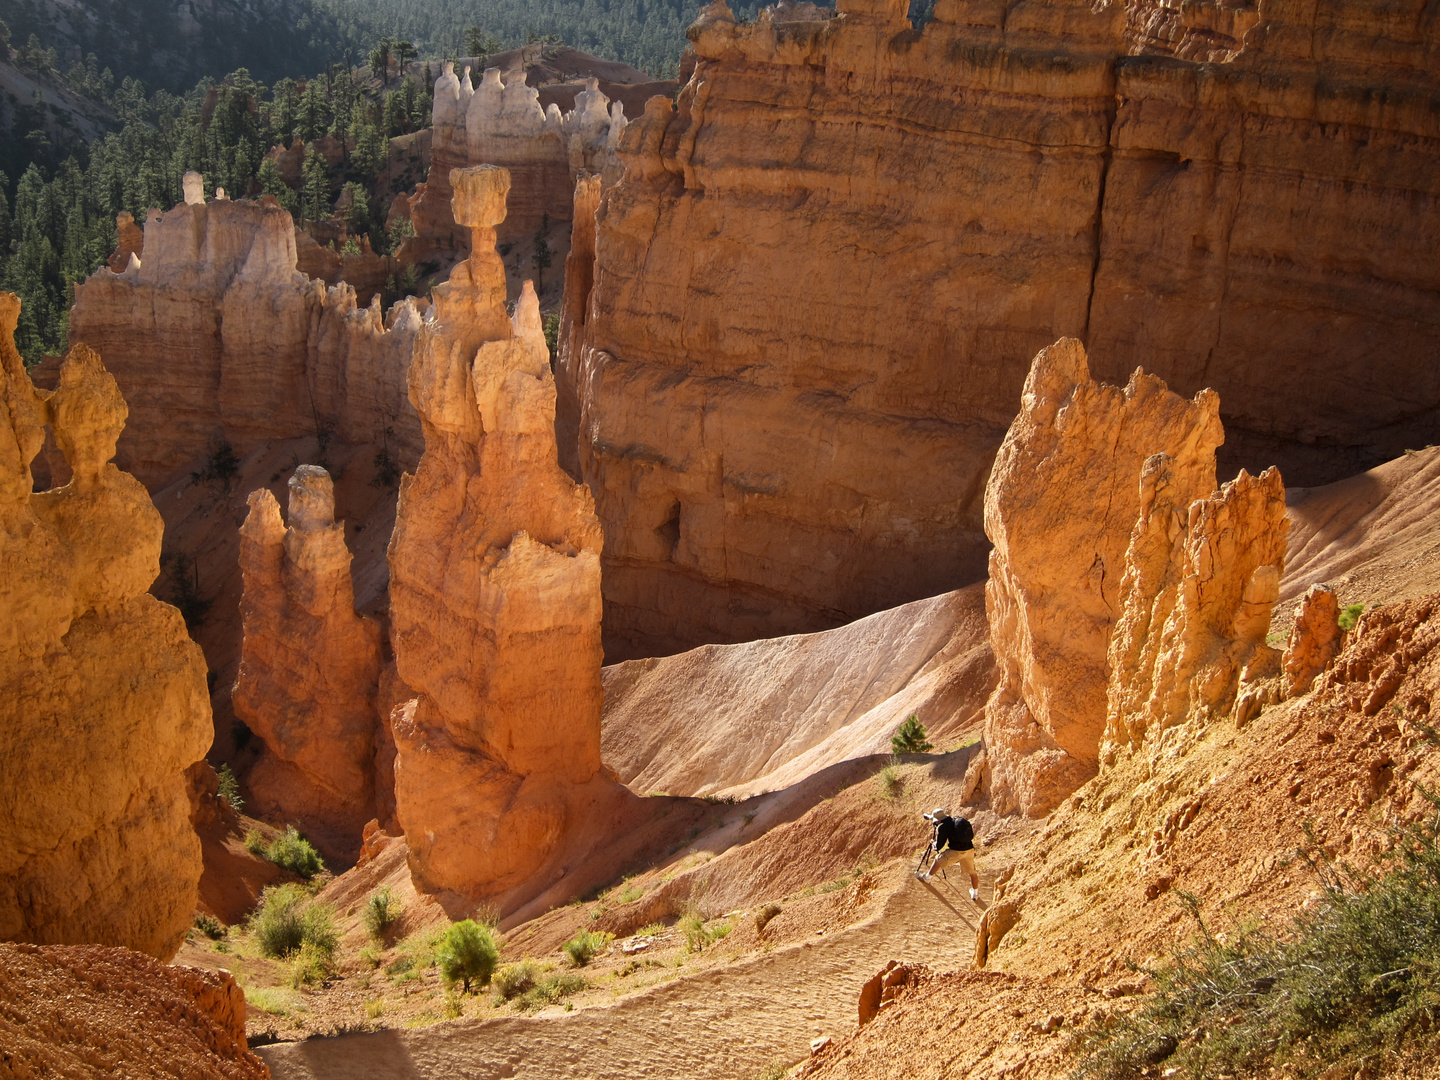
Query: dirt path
[[723, 1023]]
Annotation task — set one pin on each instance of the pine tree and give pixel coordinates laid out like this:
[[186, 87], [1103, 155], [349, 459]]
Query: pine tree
[[540, 258], [315, 187], [910, 738]]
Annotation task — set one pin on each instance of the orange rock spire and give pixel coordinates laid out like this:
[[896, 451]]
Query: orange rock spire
[[495, 590], [103, 703], [309, 667]]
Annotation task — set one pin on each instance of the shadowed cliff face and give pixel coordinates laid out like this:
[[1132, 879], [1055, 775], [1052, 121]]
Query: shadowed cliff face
[[818, 288]]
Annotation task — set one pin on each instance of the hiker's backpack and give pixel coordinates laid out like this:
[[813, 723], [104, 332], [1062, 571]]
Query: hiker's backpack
[[963, 838]]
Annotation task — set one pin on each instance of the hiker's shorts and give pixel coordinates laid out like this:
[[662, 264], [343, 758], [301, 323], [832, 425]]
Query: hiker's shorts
[[950, 857]]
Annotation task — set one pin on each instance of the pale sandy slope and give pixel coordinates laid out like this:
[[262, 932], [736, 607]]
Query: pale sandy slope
[[724, 1023], [1375, 538], [740, 719]]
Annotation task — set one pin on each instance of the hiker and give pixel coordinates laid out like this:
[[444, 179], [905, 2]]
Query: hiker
[[954, 842]]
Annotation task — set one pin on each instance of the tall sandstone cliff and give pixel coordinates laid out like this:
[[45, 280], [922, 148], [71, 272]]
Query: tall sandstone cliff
[[215, 337], [495, 596], [815, 294], [103, 702], [309, 668]]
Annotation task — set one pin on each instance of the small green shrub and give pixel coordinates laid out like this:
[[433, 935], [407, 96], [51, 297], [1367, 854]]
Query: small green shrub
[[697, 934], [209, 925], [293, 852], [651, 929], [910, 738], [1349, 616], [764, 915], [255, 842], [582, 948], [312, 964], [512, 980], [288, 919], [382, 911], [467, 954], [551, 990], [230, 787], [890, 780]]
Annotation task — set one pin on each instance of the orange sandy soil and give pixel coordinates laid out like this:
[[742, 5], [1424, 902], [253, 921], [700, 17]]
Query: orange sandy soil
[[81, 1011], [1217, 813], [835, 855]]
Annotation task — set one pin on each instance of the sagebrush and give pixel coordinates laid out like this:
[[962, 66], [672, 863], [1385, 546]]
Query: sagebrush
[[1346, 985]]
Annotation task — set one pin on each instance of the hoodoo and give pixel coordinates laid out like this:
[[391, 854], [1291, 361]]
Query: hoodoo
[[309, 667], [495, 593], [502, 122], [1060, 506], [103, 702], [1201, 579]]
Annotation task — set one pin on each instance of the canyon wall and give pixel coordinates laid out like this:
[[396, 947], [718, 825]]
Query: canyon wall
[[103, 701], [216, 338], [815, 294], [494, 594], [309, 668], [1062, 500]]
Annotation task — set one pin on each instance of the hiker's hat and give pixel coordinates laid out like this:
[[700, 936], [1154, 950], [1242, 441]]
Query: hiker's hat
[[939, 812]]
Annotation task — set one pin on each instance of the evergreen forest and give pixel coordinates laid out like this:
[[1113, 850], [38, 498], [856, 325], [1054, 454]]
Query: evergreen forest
[[105, 104]]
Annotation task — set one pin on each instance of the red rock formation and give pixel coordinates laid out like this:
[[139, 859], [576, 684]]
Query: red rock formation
[[309, 668], [102, 694], [1060, 505], [95, 1011], [820, 284], [494, 594], [1315, 639], [129, 240], [216, 338], [1201, 579]]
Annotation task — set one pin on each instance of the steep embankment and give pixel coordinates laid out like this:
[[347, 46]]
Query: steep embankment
[[1373, 536], [732, 720], [83, 1011], [1229, 816]]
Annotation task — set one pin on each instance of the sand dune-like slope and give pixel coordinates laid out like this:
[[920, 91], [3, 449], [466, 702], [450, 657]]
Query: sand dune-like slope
[[1375, 537], [739, 719]]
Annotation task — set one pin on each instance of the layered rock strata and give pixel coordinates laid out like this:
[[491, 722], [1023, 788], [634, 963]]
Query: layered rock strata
[[103, 701], [819, 286], [309, 668], [494, 594], [217, 338], [1060, 505], [502, 122]]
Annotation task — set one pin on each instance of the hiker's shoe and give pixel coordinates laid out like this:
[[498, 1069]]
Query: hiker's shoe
[[925, 877], [975, 895]]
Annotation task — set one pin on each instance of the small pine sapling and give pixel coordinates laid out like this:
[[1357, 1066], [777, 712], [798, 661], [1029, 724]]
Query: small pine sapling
[[910, 738]]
